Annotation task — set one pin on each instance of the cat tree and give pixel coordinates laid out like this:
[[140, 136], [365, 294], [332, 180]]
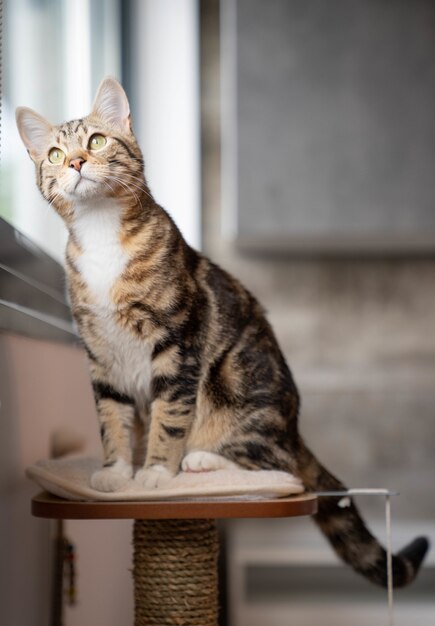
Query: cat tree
[[175, 548]]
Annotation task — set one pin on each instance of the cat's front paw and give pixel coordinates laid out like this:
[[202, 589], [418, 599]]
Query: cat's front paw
[[110, 479], [153, 477], [204, 461]]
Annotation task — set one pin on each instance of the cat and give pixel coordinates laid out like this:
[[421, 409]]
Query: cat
[[179, 351]]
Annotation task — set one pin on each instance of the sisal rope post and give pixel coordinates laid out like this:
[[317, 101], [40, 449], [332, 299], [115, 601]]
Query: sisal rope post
[[175, 572]]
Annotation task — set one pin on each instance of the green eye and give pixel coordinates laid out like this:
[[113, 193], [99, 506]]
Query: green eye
[[96, 142], [56, 156]]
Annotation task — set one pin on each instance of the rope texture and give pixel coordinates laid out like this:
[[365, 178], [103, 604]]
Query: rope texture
[[175, 572]]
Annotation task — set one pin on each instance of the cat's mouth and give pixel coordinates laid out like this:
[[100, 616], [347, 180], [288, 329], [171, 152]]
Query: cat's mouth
[[83, 186], [82, 179]]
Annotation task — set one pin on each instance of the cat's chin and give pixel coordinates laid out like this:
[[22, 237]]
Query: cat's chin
[[87, 186], [86, 190]]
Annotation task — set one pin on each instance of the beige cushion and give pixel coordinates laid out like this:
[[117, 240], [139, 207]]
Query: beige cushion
[[70, 478]]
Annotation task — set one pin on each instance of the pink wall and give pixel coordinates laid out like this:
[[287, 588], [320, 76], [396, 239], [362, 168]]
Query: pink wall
[[44, 388]]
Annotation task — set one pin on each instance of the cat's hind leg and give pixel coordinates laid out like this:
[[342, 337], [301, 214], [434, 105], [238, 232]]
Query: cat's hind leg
[[204, 461]]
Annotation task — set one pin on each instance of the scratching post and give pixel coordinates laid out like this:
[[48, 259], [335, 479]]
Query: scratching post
[[175, 572]]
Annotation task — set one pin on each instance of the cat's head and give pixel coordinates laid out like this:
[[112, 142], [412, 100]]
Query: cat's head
[[85, 160]]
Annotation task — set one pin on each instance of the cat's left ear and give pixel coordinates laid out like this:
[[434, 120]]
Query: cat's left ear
[[111, 104]]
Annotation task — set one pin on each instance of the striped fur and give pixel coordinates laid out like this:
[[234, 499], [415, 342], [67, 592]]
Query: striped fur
[[178, 349]]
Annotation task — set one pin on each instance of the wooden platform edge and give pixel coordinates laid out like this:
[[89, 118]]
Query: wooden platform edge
[[51, 507]]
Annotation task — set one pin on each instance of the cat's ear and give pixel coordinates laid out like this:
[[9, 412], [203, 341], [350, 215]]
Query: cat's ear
[[34, 130], [111, 104]]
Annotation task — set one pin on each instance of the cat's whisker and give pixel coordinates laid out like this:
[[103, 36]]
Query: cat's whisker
[[110, 187], [115, 180], [127, 188], [53, 198], [131, 178], [138, 182], [141, 186]]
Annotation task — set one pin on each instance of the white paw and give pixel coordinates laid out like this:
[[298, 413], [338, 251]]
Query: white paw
[[153, 477], [110, 479], [202, 461]]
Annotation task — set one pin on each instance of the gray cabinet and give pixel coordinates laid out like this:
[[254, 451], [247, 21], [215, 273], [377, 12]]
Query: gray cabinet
[[334, 135]]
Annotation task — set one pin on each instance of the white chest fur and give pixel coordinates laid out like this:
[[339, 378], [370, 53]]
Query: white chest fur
[[103, 259]]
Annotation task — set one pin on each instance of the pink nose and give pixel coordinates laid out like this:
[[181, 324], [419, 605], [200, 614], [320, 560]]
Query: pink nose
[[77, 164]]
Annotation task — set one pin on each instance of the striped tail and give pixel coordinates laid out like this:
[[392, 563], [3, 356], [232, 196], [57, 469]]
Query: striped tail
[[347, 533]]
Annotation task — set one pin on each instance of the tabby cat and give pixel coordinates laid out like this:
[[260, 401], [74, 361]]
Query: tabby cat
[[177, 347]]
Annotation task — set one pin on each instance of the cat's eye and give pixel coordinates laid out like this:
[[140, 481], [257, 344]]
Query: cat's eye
[[56, 156], [96, 142]]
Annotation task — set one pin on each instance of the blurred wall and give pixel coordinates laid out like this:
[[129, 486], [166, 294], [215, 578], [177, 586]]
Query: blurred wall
[[358, 333], [335, 124], [44, 388]]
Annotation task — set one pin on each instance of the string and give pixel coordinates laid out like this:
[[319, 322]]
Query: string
[[389, 560], [375, 492]]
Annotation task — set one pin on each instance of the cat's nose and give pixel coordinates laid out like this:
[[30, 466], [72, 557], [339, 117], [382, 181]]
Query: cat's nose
[[77, 163]]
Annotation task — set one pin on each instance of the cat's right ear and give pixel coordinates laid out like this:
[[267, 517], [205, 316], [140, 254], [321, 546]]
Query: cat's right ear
[[34, 131]]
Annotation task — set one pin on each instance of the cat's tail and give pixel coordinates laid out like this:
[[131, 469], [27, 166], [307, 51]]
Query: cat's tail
[[349, 536]]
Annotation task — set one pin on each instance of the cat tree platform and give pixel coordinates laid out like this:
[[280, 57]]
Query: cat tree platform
[[176, 548]]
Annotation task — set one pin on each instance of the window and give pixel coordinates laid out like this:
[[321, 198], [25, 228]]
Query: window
[[55, 54]]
